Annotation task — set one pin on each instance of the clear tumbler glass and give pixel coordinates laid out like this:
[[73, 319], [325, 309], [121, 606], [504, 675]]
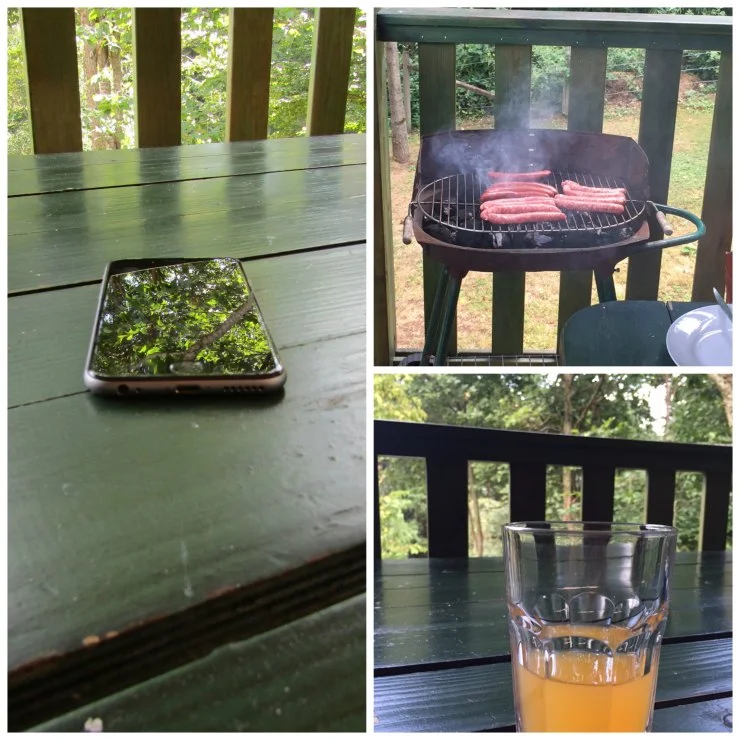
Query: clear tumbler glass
[[588, 604]]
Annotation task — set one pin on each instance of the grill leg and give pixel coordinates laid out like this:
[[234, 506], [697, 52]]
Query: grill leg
[[605, 285], [432, 336], [453, 293]]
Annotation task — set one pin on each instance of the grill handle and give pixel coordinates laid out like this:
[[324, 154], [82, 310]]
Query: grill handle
[[408, 229], [661, 219], [676, 240]]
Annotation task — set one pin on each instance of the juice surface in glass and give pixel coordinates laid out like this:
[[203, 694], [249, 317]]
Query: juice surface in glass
[[584, 691]]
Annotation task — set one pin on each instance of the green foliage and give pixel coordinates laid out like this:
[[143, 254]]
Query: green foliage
[[648, 407], [19, 124], [107, 102]]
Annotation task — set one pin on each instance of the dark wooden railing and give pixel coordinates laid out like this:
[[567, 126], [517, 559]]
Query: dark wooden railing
[[53, 81], [448, 449], [589, 35]]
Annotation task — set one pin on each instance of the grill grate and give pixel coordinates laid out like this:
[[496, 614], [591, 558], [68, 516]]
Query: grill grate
[[454, 202]]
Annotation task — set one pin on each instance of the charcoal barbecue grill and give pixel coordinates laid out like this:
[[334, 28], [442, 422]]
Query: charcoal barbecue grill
[[444, 213]]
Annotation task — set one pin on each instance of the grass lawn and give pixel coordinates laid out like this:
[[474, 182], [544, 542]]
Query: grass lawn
[[691, 147]]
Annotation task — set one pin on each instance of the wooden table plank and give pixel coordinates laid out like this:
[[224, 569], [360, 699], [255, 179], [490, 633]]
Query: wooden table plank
[[47, 357], [117, 168], [67, 238], [480, 697], [205, 494], [252, 686], [454, 617]]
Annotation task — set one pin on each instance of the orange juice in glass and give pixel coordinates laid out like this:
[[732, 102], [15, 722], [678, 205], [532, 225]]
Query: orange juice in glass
[[588, 604]]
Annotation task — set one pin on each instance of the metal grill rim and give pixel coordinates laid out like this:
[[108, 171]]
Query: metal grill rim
[[577, 221]]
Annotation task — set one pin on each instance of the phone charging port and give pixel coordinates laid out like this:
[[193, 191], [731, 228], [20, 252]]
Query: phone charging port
[[187, 389]]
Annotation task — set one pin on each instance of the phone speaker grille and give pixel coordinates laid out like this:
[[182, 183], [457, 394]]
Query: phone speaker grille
[[242, 389]]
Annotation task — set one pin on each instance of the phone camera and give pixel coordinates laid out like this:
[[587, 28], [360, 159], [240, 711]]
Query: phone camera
[[123, 389]]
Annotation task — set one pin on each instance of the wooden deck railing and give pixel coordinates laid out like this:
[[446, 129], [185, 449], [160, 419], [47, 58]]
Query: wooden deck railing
[[53, 81], [589, 35], [448, 449]]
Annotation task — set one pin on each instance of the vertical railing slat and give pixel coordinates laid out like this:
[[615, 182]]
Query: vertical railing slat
[[384, 295], [513, 80], [716, 212], [598, 493], [330, 67], [158, 64], [436, 113], [585, 113], [527, 491], [248, 77], [49, 36], [657, 128], [715, 510], [447, 507], [660, 496]]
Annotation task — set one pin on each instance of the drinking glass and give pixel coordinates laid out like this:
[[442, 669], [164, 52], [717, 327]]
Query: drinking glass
[[588, 604]]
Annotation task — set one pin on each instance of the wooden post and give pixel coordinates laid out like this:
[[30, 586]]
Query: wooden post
[[157, 75], [657, 129], [436, 113], [53, 82], [248, 79], [513, 85], [330, 65], [585, 113], [716, 212], [384, 299]]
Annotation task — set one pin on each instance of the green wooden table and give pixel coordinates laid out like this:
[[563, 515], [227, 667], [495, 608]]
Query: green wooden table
[[626, 333], [189, 564], [442, 649]]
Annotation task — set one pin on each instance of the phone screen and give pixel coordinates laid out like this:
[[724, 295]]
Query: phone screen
[[190, 319]]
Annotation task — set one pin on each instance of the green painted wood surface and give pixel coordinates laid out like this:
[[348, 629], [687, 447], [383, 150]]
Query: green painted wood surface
[[204, 495], [717, 206], [64, 238], [657, 128], [558, 28], [218, 519], [585, 113], [114, 168], [47, 357], [705, 716], [621, 333], [307, 676], [449, 613], [436, 113], [384, 290], [479, 698]]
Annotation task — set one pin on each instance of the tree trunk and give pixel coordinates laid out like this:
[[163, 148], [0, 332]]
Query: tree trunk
[[406, 69], [475, 513], [670, 392], [724, 385], [96, 58], [399, 135], [567, 429]]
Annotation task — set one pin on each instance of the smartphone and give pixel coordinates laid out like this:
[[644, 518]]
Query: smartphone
[[185, 326]]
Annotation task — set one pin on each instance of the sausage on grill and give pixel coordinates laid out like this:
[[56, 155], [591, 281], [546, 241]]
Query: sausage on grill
[[586, 203], [519, 175], [522, 218], [539, 186], [570, 185], [518, 205]]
